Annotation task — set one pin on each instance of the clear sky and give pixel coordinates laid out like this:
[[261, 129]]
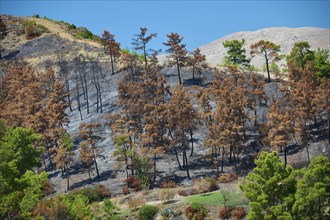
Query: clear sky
[[199, 22]]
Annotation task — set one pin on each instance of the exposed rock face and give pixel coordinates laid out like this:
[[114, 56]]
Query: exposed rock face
[[285, 37]]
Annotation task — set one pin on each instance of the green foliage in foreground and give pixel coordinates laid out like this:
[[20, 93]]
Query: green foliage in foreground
[[313, 190], [78, 204], [20, 187], [270, 188], [147, 212], [277, 191]]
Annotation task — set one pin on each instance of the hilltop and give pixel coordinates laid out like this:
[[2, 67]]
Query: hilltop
[[283, 36]]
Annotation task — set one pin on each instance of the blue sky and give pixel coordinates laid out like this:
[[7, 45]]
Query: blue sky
[[199, 22]]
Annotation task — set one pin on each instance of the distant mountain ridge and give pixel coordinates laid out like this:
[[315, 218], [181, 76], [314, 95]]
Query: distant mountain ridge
[[283, 36]]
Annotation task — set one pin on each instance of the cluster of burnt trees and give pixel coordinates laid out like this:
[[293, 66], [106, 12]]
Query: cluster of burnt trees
[[155, 119]]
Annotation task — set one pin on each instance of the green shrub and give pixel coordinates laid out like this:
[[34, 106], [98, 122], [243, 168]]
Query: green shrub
[[195, 211], [94, 194], [72, 26], [83, 33], [147, 212], [35, 16], [77, 206], [32, 30], [253, 68]]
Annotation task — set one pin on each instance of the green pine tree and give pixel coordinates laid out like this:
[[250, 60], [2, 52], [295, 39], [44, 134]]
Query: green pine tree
[[313, 191], [270, 187]]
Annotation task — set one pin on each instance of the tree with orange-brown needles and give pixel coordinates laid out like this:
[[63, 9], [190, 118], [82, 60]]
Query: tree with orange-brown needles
[[268, 50], [111, 46], [181, 115], [141, 41], [88, 146], [197, 61], [279, 128], [178, 52]]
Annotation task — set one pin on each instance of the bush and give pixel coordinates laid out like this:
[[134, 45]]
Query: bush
[[224, 212], [72, 26], [32, 30], [167, 213], [167, 194], [147, 212], [52, 208], [78, 206], [169, 184], [125, 190], [94, 194], [35, 16], [182, 192], [228, 177], [48, 188], [203, 185], [238, 213], [133, 183], [83, 33], [134, 203], [187, 192], [192, 191], [195, 211]]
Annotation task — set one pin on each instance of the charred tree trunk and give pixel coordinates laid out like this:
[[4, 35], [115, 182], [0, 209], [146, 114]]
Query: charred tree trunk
[[96, 168], [155, 169], [50, 160], [222, 159], [193, 72], [285, 156], [78, 96], [186, 164], [82, 84], [177, 158], [111, 59], [178, 68], [86, 90], [192, 142], [267, 66], [67, 180], [234, 154], [67, 89]]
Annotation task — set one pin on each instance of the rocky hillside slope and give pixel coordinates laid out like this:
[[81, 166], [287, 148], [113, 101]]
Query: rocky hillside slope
[[283, 36], [43, 52]]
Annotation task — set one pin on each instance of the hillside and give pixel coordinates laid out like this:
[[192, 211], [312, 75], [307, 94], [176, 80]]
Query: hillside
[[283, 36], [191, 140]]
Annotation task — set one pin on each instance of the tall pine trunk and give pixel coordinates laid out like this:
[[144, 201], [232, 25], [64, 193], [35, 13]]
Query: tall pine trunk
[[96, 168], [111, 59], [155, 168], [78, 96], [222, 158], [267, 66], [192, 142], [177, 158], [186, 163], [178, 68]]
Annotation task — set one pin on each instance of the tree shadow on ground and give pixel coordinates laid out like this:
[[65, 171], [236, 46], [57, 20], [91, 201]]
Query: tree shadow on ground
[[11, 55], [192, 82], [103, 176]]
